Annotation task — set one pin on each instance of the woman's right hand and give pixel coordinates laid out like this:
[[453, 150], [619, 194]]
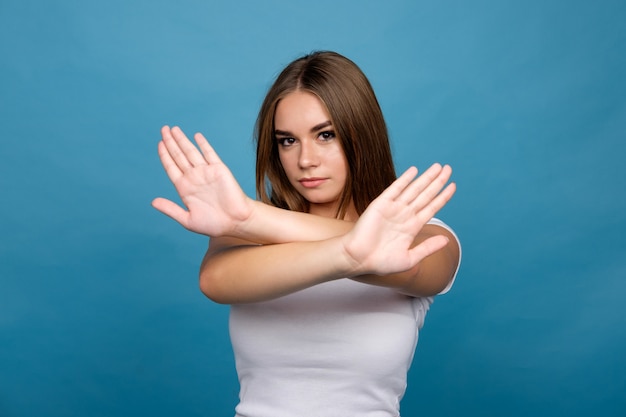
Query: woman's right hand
[[215, 203]]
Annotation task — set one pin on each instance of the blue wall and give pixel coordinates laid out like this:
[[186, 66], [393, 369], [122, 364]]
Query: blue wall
[[100, 314]]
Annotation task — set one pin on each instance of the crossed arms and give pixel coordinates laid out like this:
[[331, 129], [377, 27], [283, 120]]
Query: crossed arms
[[258, 252]]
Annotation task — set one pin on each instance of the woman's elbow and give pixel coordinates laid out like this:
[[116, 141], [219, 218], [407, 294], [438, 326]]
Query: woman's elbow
[[209, 286]]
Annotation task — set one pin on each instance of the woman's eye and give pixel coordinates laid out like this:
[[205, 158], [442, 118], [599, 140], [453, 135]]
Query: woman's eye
[[327, 135], [285, 141]]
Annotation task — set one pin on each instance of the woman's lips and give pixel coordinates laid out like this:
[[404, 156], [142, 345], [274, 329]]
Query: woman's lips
[[311, 182]]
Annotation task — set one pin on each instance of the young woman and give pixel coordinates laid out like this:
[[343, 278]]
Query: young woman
[[331, 272]]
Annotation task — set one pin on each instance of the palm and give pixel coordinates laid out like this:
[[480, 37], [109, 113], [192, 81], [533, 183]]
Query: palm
[[382, 240], [214, 202]]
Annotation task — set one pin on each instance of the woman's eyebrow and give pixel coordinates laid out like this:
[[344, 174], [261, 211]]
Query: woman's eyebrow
[[321, 126], [314, 129], [282, 133]]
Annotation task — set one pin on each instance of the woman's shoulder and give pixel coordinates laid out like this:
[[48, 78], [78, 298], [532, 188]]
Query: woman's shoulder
[[449, 232]]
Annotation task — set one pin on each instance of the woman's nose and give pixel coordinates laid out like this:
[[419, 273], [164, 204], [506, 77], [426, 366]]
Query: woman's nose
[[308, 155]]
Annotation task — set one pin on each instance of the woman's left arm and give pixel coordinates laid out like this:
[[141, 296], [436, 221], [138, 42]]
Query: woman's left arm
[[432, 275], [216, 206]]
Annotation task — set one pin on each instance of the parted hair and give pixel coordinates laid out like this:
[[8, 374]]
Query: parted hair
[[358, 122]]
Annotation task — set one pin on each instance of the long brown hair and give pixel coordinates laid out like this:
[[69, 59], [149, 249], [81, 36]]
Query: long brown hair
[[358, 121]]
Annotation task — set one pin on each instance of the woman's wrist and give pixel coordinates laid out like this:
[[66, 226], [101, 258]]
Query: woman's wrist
[[266, 224], [246, 226]]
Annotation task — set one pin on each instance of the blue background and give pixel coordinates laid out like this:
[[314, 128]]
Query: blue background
[[100, 313]]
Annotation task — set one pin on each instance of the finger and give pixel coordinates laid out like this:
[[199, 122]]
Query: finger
[[171, 168], [395, 189], [432, 189], [207, 150], [416, 187], [171, 209], [429, 211], [438, 183], [427, 248], [173, 148], [425, 189], [191, 153]]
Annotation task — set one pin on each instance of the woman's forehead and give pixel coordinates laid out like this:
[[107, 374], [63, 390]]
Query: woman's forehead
[[300, 110]]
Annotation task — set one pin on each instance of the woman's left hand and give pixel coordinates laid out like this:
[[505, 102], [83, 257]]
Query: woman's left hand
[[382, 240]]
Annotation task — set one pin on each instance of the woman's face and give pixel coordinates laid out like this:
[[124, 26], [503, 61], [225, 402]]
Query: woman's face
[[310, 152]]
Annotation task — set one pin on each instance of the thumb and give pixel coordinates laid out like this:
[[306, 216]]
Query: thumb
[[172, 210], [427, 248]]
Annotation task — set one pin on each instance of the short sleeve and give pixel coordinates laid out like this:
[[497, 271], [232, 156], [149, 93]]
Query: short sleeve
[[438, 222]]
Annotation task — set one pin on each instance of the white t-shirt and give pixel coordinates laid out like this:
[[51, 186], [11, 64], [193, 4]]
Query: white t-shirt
[[341, 349]]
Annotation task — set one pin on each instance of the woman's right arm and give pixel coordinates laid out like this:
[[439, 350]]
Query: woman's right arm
[[258, 252], [384, 247], [237, 267]]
